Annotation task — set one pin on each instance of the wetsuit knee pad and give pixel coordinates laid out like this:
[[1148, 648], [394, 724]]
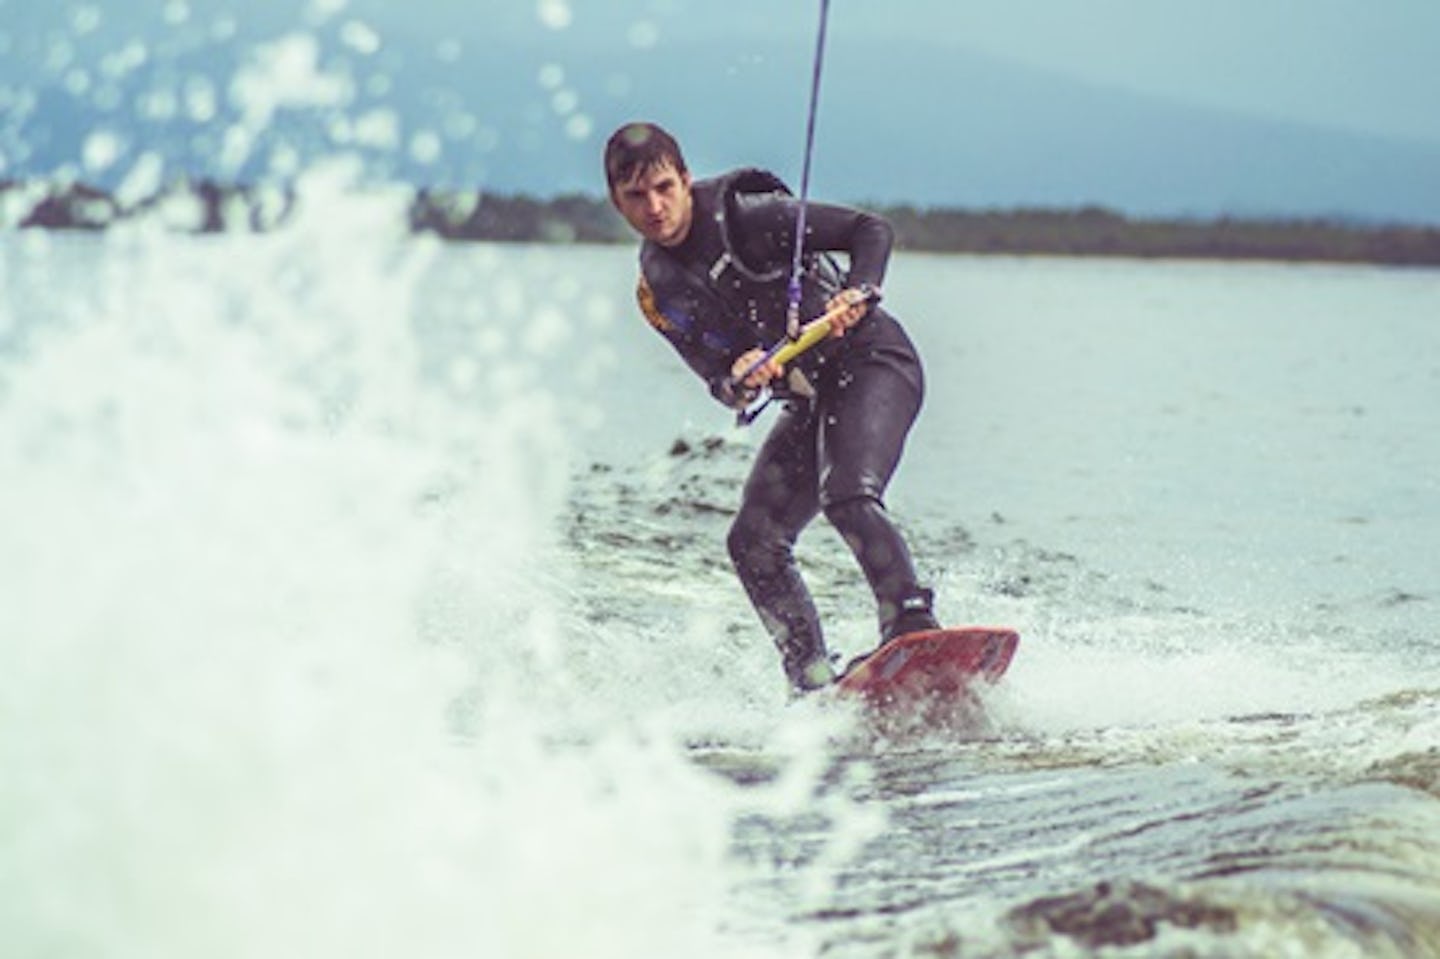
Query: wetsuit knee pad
[[840, 488], [753, 533], [855, 510], [741, 538]]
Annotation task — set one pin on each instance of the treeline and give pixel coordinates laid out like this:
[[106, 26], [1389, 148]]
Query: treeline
[[1089, 231], [205, 206], [198, 206], [1092, 231], [573, 218]]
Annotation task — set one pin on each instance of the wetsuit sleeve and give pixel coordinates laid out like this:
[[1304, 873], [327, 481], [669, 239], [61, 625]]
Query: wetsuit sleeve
[[768, 224], [710, 365]]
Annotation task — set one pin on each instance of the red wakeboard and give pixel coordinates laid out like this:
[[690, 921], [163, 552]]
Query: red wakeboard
[[933, 666]]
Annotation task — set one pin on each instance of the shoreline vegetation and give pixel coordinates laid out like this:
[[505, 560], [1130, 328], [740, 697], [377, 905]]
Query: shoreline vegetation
[[209, 207]]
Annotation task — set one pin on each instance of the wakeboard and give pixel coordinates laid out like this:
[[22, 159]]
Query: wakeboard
[[931, 667]]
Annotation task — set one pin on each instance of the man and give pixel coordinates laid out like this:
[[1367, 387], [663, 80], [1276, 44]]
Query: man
[[715, 262]]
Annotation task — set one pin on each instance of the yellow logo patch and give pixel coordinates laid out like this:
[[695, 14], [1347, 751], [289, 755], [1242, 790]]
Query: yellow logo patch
[[648, 306]]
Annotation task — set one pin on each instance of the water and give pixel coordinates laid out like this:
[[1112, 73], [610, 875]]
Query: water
[[366, 596]]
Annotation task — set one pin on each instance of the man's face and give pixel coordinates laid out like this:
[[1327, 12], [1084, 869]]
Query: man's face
[[657, 203]]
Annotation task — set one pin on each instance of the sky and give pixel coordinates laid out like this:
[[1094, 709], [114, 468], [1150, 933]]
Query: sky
[[513, 69], [1370, 66]]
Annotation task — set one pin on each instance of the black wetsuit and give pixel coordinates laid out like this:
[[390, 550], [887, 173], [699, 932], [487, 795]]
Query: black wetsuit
[[840, 435]]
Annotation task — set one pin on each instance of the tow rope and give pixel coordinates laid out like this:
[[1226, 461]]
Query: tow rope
[[798, 338], [792, 311]]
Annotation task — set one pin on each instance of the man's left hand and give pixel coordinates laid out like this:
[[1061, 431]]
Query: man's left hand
[[847, 308]]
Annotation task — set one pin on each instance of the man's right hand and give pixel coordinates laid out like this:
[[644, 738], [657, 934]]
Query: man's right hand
[[761, 376]]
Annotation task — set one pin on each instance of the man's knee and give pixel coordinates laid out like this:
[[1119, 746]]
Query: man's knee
[[854, 509], [738, 540], [752, 536], [842, 488]]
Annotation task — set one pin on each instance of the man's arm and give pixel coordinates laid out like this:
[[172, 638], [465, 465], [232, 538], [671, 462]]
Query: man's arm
[[718, 371], [768, 222]]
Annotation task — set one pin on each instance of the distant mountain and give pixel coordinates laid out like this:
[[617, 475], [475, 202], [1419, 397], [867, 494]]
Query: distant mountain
[[934, 126], [926, 124]]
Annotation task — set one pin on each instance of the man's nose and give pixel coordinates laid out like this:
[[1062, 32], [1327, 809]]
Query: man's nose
[[654, 202]]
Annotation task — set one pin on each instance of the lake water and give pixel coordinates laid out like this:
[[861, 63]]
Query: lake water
[[366, 596]]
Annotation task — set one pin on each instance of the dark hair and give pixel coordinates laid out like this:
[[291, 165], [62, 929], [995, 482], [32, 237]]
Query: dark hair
[[637, 147]]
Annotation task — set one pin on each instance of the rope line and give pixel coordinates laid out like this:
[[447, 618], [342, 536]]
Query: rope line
[[792, 312]]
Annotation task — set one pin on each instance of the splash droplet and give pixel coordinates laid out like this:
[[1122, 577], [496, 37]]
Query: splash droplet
[[555, 14]]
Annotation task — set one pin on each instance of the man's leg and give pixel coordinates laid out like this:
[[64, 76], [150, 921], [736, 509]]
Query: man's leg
[[865, 421], [902, 605], [780, 498]]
